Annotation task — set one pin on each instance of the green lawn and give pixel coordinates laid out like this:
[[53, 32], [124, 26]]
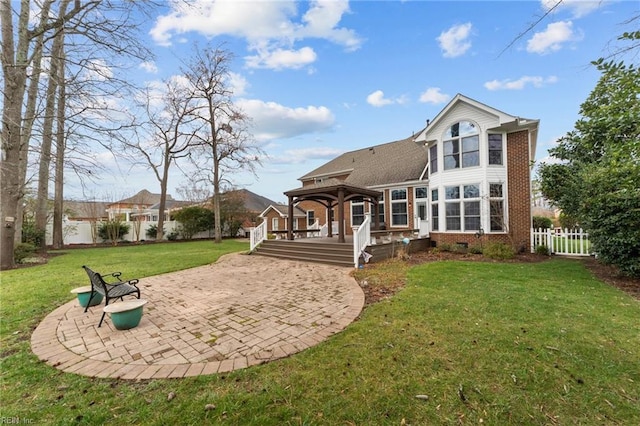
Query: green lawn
[[505, 343]]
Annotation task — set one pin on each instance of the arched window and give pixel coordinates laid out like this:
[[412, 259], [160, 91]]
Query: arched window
[[461, 146]]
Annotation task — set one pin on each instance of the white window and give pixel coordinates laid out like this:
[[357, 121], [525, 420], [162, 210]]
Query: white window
[[496, 207], [461, 146], [311, 218], [357, 211], [435, 214], [274, 223], [421, 193], [495, 149], [433, 159], [462, 207], [381, 208], [399, 210]]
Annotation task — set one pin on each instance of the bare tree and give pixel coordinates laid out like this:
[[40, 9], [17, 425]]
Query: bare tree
[[166, 135], [194, 193], [56, 69], [16, 60], [225, 142], [95, 27]]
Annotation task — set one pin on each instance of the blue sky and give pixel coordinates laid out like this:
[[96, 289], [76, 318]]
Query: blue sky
[[322, 78]]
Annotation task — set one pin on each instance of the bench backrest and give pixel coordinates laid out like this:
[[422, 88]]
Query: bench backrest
[[97, 282]]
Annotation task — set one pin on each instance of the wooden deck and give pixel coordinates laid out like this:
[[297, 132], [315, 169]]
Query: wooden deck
[[328, 250]]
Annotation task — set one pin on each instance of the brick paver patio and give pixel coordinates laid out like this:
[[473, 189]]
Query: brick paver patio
[[241, 311]]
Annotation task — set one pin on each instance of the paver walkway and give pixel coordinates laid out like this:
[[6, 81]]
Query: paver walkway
[[241, 311]]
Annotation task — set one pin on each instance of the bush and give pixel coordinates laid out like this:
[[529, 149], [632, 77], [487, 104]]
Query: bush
[[475, 249], [543, 250], [542, 222], [499, 251], [173, 235], [23, 251], [152, 231], [31, 234], [445, 247], [459, 248], [113, 230], [193, 220]]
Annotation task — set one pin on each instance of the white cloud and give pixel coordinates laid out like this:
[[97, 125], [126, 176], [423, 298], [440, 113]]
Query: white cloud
[[322, 20], [455, 41], [238, 84], [520, 84], [271, 120], [278, 59], [377, 99], [270, 27], [297, 156], [433, 95], [149, 66], [578, 8], [552, 38]]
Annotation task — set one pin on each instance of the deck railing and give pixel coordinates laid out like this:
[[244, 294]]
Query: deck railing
[[361, 238], [258, 235]]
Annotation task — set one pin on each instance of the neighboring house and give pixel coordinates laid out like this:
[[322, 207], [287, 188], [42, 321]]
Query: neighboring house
[[138, 204], [85, 211], [276, 216], [152, 213], [467, 174], [246, 207]]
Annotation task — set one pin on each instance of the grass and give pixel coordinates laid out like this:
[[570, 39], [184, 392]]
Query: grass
[[501, 343]]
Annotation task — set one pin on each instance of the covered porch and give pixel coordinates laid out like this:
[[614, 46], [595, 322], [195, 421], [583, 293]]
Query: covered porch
[[330, 195]]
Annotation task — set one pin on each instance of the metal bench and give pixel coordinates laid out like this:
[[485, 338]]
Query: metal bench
[[112, 290]]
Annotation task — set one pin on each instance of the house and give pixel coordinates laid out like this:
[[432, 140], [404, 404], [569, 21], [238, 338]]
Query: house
[[276, 217], [85, 211], [126, 208], [465, 176]]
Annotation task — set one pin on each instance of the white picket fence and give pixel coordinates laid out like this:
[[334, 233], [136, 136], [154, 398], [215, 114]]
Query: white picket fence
[[570, 242]]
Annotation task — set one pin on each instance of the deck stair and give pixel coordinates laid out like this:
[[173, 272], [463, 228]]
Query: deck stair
[[308, 251]]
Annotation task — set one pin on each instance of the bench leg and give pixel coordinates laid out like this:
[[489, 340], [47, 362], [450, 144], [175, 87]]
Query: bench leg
[[101, 319], [89, 302]]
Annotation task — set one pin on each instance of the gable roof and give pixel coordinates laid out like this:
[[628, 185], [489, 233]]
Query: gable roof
[[385, 164], [252, 201], [505, 122], [142, 197], [283, 210], [85, 209]]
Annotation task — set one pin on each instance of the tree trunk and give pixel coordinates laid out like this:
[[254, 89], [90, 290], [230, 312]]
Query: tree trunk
[[30, 113], [163, 196], [58, 202], [44, 170], [216, 196], [14, 67]]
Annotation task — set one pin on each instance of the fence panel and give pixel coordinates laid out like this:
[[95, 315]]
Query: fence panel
[[569, 242]]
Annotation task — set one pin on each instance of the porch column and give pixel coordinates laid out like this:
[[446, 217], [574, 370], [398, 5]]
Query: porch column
[[341, 215], [376, 212], [329, 222], [290, 219]]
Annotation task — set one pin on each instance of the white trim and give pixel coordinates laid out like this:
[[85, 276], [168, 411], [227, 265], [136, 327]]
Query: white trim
[[392, 202], [501, 116]]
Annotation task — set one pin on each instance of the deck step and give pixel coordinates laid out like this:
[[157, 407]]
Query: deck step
[[328, 253]]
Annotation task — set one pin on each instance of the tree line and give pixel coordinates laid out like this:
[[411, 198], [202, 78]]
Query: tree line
[[66, 95]]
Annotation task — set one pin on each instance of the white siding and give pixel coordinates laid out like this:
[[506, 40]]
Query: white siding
[[482, 174]]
